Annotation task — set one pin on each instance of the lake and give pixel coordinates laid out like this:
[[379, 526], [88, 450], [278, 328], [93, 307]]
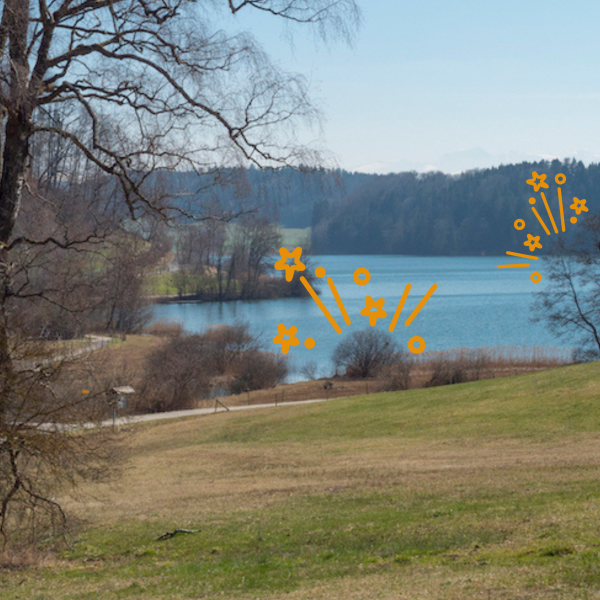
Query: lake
[[476, 304]]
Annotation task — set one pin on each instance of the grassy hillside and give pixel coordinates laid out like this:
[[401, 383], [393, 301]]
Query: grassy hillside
[[484, 490]]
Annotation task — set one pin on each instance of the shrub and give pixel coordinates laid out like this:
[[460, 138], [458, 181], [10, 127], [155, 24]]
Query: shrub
[[397, 375], [176, 375], [257, 370], [447, 368], [365, 353], [181, 372], [226, 345], [445, 371]]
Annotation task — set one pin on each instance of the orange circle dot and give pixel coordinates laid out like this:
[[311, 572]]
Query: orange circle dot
[[309, 343], [535, 277], [366, 276], [531, 200], [416, 344], [519, 224], [573, 219], [320, 272], [560, 178]]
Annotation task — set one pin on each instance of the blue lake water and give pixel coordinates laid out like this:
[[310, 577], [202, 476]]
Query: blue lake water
[[476, 304]]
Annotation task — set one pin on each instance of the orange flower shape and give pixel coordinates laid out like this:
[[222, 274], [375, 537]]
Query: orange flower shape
[[374, 310], [298, 265], [579, 206], [280, 338], [532, 242], [541, 184]]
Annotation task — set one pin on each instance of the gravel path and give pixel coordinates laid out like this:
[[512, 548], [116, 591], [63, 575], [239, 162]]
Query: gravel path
[[177, 414]]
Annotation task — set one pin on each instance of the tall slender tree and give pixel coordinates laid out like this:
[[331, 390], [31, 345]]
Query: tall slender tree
[[142, 85]]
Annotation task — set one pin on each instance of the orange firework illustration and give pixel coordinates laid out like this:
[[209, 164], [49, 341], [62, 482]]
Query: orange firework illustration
[[373, 309], [538, 182]]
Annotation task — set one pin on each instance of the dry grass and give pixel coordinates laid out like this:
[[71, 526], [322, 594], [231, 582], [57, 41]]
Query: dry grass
[[482, 491], [126, 360], [505, 356], [475, 363]]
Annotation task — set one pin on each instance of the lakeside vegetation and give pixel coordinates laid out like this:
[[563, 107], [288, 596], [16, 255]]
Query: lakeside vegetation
[[222, 262], [486, 489], [130, 362]]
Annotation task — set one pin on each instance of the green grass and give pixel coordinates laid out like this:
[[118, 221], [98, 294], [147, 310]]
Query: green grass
[[168, 284], [482, 490], [545, 405], [292, 238], [164, 284]]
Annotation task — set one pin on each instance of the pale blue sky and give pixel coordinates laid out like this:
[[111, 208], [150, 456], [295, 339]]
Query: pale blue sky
[[453, 84]]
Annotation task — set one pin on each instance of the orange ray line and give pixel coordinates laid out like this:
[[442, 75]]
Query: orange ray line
[[549, 212], [340, 304], [535, 212], [512, 266], [562, 212], [320, 304], [400, 307], [421, 304], [522, 255]]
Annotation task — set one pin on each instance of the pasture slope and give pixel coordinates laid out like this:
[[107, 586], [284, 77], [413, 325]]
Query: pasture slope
[[486, 490]]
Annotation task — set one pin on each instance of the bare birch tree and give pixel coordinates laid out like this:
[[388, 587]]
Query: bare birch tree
[[569, 303], [117, 91]]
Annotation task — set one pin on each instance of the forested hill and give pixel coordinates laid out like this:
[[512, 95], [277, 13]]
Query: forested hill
[[438, 214], [404, 213], [284, 194]]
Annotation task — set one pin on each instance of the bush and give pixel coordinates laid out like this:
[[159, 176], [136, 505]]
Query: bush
[[397, 374], [447, 369], [365, 353], [258, 370], [176, 375], [226, 345], [181, 372]]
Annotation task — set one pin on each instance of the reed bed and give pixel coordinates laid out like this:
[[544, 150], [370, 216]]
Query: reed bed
[[502, 356]]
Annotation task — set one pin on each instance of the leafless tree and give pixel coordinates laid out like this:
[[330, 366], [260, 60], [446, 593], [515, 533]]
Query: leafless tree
[[255, 241], [365, 353], [126, 260], [116, 93], [181, 372], [569, 303]]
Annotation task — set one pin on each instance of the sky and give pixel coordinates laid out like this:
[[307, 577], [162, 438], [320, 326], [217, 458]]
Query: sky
[[451, 84]]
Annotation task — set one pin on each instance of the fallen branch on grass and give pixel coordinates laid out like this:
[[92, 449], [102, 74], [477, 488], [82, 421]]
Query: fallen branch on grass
[[170, 534]]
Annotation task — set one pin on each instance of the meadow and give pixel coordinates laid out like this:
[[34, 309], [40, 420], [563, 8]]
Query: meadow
[[483, 490]]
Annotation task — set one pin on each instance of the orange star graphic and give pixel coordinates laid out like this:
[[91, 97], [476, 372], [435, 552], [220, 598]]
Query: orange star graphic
[[579, 206], [373, 315], [280, 338], [532, 242], [541, 184], [298, 265]]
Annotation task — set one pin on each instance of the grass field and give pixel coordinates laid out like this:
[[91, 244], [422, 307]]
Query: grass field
[[486, 490], [296, 237]]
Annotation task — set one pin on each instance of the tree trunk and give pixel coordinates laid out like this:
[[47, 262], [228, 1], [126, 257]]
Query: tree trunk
[[6, 365], [14, 159], [16, 150]]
